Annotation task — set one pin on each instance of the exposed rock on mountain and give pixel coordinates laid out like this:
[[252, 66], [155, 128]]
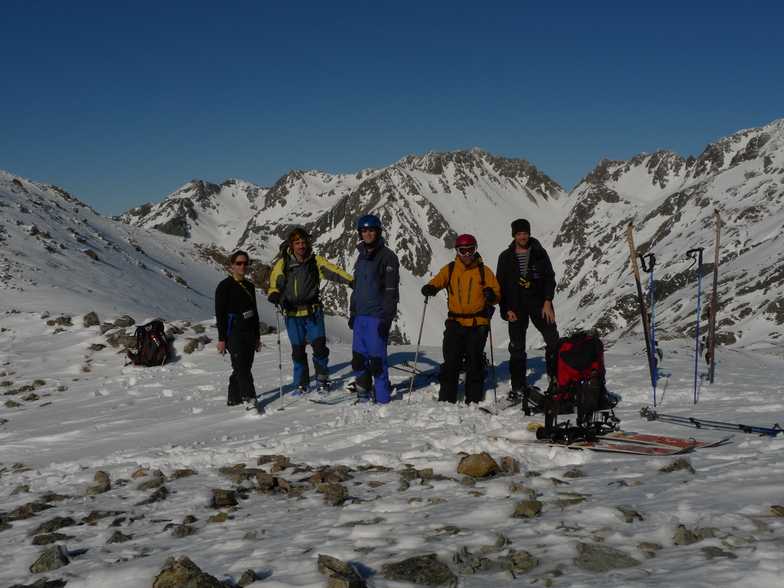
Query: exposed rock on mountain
[[424, 203]]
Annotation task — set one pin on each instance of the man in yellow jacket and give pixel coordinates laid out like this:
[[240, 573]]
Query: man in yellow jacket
[[472, 289], [294, 287]]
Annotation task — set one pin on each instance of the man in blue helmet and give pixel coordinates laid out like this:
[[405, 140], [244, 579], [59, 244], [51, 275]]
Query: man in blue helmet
[[373, 308]]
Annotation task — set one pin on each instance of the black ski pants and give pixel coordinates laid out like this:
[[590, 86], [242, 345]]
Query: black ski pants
[[241, 345], [517, 344], [463, 343]]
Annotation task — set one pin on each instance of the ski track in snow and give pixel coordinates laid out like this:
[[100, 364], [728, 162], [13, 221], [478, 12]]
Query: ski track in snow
[[119, 419]]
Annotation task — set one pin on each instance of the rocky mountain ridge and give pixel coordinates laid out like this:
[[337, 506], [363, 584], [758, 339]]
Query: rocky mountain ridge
[[425, 202]]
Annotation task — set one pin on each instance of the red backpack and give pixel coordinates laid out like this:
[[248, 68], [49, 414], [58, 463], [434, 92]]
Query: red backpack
[[580, 384]]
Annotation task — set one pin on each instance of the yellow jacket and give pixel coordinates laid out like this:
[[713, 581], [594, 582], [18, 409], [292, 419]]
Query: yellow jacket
[[466, 301], [298, 283]]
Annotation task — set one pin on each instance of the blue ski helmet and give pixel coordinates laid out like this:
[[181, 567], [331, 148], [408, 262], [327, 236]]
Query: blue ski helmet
[[369, 220]]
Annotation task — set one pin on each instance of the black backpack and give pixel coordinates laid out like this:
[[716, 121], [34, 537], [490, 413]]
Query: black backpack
[[152, 346]]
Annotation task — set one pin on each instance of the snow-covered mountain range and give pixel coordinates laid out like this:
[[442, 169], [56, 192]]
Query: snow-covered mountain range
[[424, 203]]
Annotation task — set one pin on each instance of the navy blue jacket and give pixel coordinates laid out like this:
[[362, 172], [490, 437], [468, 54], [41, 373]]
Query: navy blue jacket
[[376, 278]]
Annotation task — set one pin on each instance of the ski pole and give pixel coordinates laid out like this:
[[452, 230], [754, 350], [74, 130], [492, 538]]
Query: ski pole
[[648, 269], [699, 423], [416, 355], [492, 360], [713, 307], [696, 255], [280, 353]]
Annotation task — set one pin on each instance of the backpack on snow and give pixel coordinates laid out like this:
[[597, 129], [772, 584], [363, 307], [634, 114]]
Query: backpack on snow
[[152, 346], [580, 387]]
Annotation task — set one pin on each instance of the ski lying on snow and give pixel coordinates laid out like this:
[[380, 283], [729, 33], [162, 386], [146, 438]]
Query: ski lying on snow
[[661, 440], [611, 447], [335, 399], [501, 405], [296, 397]]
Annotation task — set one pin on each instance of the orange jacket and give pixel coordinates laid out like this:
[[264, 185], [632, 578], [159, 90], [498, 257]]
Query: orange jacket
[[466, 301]]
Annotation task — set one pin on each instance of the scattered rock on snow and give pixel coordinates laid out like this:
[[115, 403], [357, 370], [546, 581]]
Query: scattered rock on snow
[[54, 524], [49, 538], [247, 578], [712, 552], [509, 466], [118, 537], [598, 559], [339, 573], [51, 559], [222, 498], [684, 537], [478, 465], [630, 514], [160, 494], [150, 484], [90, 320], [124, 322], [183, 573], [334, 494], [424, 569], [527, 508], [518, 562], [679, 464]]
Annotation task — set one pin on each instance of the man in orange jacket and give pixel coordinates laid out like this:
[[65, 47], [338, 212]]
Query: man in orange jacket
[[472, 289]]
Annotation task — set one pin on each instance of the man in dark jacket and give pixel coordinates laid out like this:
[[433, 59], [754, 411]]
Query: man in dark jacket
[[373, 308], [238, 328], [527, 289]]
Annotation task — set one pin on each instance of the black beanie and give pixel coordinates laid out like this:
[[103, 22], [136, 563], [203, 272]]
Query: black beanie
[[521, 226]]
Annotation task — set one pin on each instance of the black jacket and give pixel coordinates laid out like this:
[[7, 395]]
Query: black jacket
[[540, 276], [232, 298]]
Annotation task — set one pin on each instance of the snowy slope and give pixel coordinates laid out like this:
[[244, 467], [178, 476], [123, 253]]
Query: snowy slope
[[87, 413]]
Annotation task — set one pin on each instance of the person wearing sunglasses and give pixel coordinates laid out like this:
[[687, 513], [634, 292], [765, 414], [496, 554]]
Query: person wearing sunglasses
[[372, 309], [472, 290], [294, 287], [527, 287], [238, 327]]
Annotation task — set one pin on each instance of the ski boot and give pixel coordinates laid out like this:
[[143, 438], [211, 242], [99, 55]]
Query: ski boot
[[300, 391], [363, 394], [324, 384], [514, 396]]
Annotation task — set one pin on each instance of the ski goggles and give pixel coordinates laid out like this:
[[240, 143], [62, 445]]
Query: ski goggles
[[466, 250]]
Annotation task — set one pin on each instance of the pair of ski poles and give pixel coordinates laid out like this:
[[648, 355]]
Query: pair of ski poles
[[419, 341]]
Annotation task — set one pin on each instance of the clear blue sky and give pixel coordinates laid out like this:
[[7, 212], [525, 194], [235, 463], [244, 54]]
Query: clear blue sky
[[121, 103]]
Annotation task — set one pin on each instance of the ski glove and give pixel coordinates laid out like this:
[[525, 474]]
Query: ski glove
[[383, 329], [351, 322], [489, 294], [429, 290], [274, 298]]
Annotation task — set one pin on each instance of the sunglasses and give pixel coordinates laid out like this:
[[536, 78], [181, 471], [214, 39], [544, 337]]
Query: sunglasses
[[368, 229], [466, 250], [242, 263]]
